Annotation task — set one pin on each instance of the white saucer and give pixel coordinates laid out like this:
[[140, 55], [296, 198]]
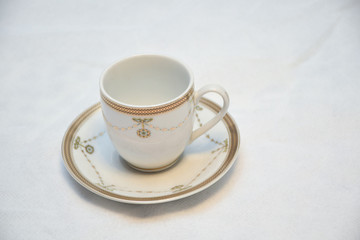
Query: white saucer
[[92, 160]]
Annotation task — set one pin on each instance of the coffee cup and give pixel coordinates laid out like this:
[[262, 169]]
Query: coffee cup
[[148, 104]]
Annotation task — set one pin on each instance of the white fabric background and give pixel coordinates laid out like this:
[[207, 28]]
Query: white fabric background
[[292, 70]]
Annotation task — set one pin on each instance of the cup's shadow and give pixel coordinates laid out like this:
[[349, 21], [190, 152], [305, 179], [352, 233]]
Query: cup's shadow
[[125, 165], [151, 210]]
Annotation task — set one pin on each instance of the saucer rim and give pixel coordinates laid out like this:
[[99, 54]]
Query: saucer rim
[[234, 143]]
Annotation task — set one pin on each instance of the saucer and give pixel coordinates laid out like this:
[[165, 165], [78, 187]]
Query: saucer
[[92, 161]]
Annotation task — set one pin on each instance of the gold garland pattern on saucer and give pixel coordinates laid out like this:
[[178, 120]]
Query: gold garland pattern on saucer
[[223, 147], [72, 141]]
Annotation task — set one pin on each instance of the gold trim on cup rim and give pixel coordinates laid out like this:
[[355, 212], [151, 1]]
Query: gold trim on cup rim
[[148, 110]]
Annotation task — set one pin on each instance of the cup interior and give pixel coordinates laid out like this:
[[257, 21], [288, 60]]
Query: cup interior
[[145, 80]]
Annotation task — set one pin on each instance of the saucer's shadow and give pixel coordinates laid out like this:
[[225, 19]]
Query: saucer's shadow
[[152, 210]]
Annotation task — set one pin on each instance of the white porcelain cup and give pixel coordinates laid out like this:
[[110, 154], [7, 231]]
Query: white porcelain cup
[[148, 104]]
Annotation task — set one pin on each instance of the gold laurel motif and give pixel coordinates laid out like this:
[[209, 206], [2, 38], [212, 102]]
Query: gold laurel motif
[[90, 150], [143, 132]]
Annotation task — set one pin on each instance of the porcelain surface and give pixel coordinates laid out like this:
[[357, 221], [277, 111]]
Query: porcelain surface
[[148, 103], [92, 160]]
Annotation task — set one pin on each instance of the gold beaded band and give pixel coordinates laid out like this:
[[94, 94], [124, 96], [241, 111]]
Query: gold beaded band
[[151, 110]]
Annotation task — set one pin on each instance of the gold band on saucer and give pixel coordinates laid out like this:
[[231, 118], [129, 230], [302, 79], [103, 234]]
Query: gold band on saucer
[[151, 110]]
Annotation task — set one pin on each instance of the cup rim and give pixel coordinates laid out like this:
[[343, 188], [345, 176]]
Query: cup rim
[[184, 94]]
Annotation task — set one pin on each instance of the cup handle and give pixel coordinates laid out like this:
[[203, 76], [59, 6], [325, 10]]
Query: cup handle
[[211, 123]]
